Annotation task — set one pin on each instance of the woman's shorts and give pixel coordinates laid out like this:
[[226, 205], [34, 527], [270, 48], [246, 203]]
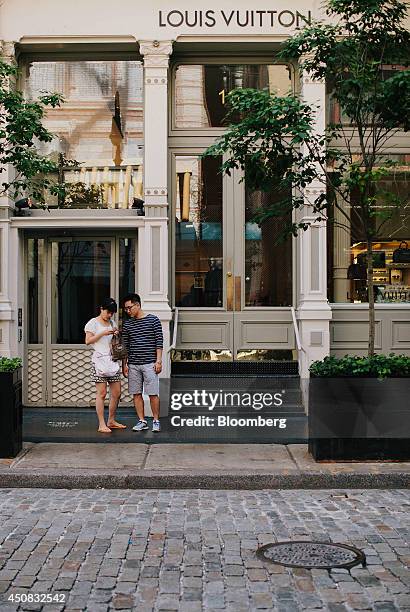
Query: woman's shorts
[[104, 379]]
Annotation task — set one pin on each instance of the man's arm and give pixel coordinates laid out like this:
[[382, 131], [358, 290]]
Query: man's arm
[[159, 344]]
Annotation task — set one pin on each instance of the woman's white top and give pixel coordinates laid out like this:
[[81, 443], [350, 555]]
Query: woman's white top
[[103, 345]]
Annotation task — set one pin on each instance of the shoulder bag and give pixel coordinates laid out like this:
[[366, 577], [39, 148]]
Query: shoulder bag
[[104, 365], [118, 349]]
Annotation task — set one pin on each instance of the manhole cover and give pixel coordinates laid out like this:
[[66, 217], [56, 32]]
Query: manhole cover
[[320, 555]]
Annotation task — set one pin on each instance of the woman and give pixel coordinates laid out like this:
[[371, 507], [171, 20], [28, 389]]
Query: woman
[[98, 333]]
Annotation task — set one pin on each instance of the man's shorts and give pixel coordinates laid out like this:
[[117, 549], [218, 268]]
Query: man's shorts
[[140, 376]]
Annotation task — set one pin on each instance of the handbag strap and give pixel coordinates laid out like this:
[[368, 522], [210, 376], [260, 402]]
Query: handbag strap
[[112, 325]]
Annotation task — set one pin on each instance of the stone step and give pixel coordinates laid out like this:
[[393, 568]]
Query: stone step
[[235, 368]]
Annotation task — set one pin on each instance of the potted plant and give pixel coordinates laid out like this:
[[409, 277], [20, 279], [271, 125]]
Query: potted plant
[[11, 414], [359, 408]]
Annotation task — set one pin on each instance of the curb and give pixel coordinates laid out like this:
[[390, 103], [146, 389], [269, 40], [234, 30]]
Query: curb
[[145, 479]]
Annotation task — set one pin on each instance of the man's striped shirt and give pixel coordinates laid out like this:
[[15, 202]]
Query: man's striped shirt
[[142, 337]]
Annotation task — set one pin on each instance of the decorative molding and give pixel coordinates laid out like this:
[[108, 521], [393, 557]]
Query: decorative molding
[[315, 191], [8, 51], [156, 53], [307, 80], [156, 210], [150, 191], [159, 80]]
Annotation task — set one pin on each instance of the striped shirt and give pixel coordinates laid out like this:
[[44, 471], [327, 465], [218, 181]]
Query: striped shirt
[[142, 337]]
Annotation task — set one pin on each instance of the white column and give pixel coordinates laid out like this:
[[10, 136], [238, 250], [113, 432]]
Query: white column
[[10, 255], [156, 59], [7, 53], [341, 254], [153, 268], [313, 310]]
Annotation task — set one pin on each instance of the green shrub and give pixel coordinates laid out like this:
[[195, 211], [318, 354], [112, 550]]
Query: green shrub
[[9, 364], [377, 366]]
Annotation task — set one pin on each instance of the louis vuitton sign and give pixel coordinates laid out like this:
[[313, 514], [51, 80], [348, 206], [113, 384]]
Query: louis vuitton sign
[[233, 18]]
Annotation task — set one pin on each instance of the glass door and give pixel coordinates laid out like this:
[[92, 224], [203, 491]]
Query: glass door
[[232, 271], [35, 371], [263, 287], [67, 279], [200, 258], [81, 275]]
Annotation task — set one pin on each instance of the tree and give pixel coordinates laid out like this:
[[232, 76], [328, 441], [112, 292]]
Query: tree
[[275, 143], [20, 130]]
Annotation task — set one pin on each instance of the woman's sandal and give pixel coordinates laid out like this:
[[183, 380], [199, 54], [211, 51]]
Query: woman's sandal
[[108, 430]]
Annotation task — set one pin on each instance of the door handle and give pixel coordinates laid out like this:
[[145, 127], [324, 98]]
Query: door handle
[[229, 291], [237, 293]]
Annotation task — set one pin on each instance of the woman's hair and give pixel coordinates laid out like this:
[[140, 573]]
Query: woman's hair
[[109, 304]]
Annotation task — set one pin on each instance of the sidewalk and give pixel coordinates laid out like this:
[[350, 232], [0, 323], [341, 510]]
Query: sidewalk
[[190, 466]]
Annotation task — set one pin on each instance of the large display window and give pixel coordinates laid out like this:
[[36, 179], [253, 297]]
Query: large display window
[[200, 90], [347, 252], [99, 125]]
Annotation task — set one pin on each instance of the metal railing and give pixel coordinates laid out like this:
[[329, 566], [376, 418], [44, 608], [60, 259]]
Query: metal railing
[[174, 332], [296, 329]]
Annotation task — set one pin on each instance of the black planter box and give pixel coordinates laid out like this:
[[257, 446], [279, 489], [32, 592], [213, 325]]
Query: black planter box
[[11, 413], [359, 419]]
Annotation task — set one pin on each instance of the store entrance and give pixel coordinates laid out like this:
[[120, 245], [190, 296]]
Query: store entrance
[[232, 278], [66, 279]]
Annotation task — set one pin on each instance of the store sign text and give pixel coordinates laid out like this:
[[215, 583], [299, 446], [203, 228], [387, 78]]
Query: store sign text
[[243, 19]]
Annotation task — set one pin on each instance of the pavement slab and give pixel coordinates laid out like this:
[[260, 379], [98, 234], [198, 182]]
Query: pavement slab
[[89, 456], [186, 466], [219, 457], [304, 461]]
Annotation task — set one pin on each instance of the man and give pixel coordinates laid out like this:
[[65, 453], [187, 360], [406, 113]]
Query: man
[[142, 336]]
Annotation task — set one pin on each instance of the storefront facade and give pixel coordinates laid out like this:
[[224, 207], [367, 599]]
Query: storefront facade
[[144, 90]]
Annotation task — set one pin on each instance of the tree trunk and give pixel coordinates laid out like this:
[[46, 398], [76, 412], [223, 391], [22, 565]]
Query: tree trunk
[[370, 291]]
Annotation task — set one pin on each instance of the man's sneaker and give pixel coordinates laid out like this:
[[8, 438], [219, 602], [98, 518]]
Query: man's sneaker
[[140, 426], [156, 426]]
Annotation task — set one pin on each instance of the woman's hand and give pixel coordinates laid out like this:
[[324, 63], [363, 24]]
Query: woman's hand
[[107, 332]]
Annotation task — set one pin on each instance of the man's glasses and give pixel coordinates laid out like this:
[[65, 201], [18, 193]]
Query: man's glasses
[[127, 308]]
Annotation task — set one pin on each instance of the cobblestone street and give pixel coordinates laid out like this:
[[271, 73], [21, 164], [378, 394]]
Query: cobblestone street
[[195, 550]]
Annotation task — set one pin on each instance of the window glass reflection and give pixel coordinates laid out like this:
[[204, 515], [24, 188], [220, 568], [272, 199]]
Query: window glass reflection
[[201, 89], [81, 279], [35, 289], [347, 256], [127, 269], [100, 125], [268, 258], [198, 232]]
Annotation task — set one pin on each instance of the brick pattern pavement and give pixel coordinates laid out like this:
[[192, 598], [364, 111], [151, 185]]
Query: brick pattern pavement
[[194, 550]]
